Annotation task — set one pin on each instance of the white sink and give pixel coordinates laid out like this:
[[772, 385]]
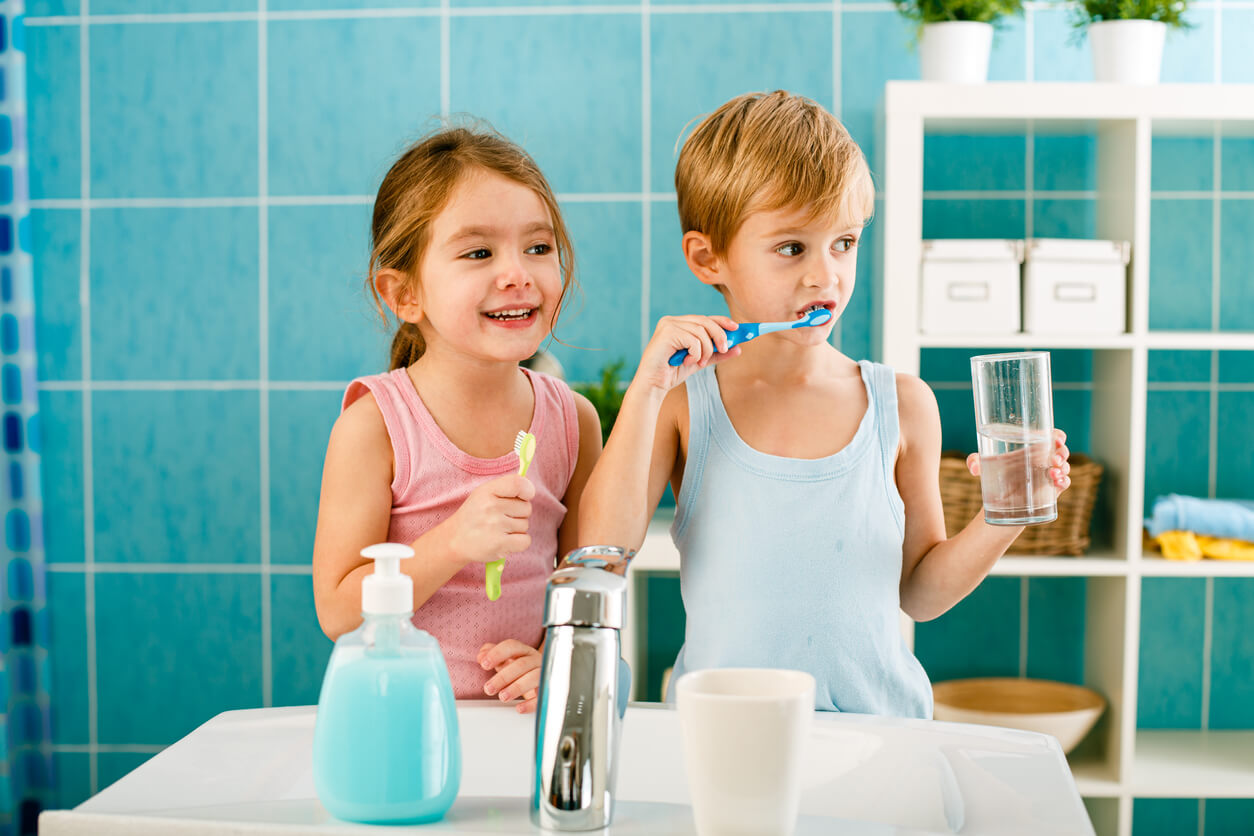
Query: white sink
[[249, 772]]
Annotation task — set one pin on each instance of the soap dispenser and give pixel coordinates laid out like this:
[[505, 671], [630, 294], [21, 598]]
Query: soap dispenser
[[386, 748]]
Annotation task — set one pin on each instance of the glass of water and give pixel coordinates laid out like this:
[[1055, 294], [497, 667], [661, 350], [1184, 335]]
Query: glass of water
[[1014, 416]]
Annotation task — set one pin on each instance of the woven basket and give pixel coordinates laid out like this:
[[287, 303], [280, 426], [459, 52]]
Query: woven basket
[[1069, 534]]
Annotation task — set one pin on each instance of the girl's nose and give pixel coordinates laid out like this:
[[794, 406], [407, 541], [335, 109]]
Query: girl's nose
[[513, 274]]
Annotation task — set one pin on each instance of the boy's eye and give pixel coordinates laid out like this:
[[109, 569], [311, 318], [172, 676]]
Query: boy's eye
[[844, 245], [791, 248], [476, 255], [539, 249]]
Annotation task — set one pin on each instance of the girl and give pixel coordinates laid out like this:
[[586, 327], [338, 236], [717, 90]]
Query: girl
[[471, 254]]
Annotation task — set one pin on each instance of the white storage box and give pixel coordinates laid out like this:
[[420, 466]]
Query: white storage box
[[970, 286], [1075, 287]]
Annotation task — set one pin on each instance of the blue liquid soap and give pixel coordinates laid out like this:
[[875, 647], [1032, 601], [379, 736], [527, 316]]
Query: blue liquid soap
[[386, 744]]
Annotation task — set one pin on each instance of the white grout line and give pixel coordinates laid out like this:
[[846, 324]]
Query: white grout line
[[307, 200], [84, 294], [1208, 643], [263, 360], [646, 170], [515, 11], [446, 60], [1023, 627], [1201, 816], [107, 748], [836, 337], [192, 385], [180, 568]]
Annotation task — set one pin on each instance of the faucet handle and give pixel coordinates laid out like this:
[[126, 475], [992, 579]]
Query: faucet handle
[[583, 593], [598, 557]]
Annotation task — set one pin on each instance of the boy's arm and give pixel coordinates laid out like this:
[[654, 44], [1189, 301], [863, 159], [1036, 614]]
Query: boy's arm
[[630, 477], [936, 572], [589, 452], [640, 456]]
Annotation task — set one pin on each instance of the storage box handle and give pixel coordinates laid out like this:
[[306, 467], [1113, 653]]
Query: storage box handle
[[968, 291], [1075, 292]]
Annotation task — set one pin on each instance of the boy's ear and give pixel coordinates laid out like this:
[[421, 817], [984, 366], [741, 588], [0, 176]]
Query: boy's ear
[[393, 287], [699, 253]]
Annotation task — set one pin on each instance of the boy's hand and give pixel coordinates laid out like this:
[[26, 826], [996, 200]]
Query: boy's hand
[[1059, 464], [705, 338], [517, 667], [493, 521]]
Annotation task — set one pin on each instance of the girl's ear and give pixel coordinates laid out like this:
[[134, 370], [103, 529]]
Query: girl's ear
[[699, 253], [394, 288]]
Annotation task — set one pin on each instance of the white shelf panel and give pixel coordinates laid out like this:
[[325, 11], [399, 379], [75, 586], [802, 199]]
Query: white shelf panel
[[1096, 565], [1200, 340], [1193, 764], [1044, 341], [1094, 778], [1154, 566], [997, 103]]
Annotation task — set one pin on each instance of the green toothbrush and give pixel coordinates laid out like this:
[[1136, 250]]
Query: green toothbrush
[[525, 447]]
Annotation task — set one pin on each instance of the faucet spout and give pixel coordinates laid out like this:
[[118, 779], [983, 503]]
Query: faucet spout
[[584, 684]]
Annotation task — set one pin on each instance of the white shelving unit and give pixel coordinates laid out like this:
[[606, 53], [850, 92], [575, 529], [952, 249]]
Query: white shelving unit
[[1121, 762]]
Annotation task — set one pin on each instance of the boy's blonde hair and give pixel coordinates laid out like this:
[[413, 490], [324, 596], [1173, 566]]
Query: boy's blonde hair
[[418, 187], [764, 152]]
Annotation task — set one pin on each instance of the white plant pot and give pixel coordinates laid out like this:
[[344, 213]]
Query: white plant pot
[[1127, 51], [956, 50]]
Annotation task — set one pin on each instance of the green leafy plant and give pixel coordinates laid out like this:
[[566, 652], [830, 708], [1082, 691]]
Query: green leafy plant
[[606, 395], [941, 11], [1170, 12]]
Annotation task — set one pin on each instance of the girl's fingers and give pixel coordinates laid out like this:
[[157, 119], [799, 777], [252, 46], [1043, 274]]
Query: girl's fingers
[[503, 652], [507, 683]]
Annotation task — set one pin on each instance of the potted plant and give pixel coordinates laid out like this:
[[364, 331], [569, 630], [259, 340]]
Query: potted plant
[[1127, 36], [606, 395], [956, 36]]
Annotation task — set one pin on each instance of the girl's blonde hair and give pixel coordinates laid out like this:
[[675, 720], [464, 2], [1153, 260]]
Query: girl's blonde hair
[[415, 191], [763, 152]]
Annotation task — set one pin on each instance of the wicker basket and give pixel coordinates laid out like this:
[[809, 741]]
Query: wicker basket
[[1069, 534]]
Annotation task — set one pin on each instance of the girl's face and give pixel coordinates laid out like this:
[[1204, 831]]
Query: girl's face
[[490, 275]]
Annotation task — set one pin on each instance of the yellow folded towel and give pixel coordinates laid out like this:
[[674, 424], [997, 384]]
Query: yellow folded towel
[[1187, 546]]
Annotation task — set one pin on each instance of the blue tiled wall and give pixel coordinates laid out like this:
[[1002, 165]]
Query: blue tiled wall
[[202, 188]]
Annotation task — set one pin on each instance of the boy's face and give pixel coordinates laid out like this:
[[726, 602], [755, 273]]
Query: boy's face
[[780, 264]]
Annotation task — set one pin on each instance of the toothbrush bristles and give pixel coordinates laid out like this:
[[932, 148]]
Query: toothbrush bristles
[[518, 440]]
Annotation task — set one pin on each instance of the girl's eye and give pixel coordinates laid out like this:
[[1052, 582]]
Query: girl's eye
[[844, 245], [476, 255], [539, 249], [790, 249]]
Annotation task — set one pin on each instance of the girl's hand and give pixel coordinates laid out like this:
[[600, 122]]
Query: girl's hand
[[493, 521], [705, 338], [517, 667], [1060, 464]]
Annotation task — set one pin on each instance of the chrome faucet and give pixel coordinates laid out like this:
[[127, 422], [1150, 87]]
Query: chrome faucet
[[584, 685]]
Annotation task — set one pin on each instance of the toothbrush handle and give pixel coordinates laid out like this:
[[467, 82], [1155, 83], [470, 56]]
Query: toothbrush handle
[[492, 578], [743, 334]]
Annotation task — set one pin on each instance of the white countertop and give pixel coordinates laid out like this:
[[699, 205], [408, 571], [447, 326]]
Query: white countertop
[[249, 772]]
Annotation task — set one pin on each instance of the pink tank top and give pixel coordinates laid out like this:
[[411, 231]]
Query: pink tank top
[[432, 479]]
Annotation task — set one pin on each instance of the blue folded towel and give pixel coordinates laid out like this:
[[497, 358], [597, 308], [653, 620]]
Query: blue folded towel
[[1227, 518]]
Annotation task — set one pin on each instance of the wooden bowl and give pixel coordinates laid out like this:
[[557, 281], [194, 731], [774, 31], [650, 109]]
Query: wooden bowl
[[1065, 711]]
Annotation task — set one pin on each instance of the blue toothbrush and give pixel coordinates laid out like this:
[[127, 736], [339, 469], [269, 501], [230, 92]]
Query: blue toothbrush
[[749, 330]]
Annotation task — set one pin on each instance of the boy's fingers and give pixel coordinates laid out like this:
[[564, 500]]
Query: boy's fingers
[[1060, 437], [973, 464]]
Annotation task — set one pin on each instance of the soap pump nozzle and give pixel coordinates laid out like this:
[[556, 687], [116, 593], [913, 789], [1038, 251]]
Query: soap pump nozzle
[[388, 590]]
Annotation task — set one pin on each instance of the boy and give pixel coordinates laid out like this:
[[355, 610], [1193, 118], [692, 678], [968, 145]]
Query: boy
[[808, 502]]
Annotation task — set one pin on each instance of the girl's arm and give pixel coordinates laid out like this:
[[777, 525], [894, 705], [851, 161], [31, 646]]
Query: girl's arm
[[589, 452], [356, 507], [936, 572]]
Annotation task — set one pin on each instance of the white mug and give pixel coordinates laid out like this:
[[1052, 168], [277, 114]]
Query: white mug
[[744, 733]]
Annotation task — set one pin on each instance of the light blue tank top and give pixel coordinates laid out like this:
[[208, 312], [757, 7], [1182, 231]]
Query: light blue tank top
[[796, 563]]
